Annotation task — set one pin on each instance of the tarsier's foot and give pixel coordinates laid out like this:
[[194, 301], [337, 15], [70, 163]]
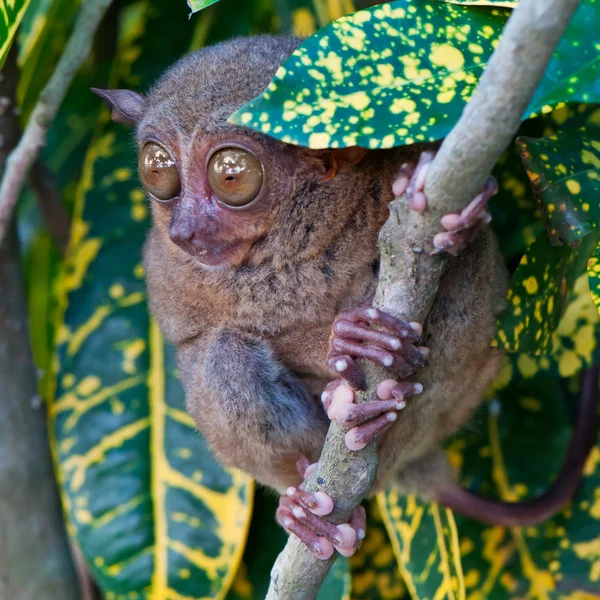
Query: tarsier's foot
[[390, 345], [371, 418], [301, 513], [460, 228]]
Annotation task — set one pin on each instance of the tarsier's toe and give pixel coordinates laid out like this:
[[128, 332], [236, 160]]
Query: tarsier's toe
[[411, 181], [301, 513]]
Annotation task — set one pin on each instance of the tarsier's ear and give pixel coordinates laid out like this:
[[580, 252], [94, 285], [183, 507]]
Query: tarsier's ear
[[329, 161], [126, 105]]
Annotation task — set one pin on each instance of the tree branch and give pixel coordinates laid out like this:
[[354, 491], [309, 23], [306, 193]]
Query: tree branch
[[409, 273], [23, 156]]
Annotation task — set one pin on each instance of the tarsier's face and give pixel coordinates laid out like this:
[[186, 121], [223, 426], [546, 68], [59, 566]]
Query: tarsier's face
[[212, 195]]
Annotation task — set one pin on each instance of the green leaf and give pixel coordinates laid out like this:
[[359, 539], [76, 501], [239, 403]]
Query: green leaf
[[539, 294], [564, 170], [515, 450], [197, 5], [375, 572], [492, 3], [425, 540], [11, 15], [402, 73], [593, 269], [152, 510]]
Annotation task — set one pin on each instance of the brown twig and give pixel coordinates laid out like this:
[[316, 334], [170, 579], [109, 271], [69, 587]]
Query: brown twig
[[33, 139], [409, 273]]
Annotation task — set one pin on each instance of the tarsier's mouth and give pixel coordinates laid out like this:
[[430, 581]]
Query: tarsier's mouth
[[217, 255]]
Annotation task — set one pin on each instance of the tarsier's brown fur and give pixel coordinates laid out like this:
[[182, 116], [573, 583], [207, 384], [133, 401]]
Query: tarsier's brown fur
[[253, 339]]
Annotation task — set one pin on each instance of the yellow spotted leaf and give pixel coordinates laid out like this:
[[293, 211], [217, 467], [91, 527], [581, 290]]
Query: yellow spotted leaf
[[539, 293], [402, 72], [593, 269]]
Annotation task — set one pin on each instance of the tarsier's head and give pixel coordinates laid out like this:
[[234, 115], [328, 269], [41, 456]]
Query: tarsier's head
[[217, 189]]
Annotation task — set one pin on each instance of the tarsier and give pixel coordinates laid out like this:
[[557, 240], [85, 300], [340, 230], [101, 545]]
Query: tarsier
[[261, 266]]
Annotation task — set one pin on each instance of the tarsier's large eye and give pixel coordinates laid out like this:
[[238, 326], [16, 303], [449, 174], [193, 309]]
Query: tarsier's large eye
[[158, 172], [235, 176]]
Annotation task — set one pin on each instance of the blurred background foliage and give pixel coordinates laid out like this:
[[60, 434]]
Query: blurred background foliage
[[153, 513]]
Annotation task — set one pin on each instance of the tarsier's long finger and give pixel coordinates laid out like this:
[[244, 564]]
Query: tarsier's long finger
[[338, 535], [316, 502], [352, 331], [372, 353], [475, 211], [359, 437], [414, 191], [391, 389], [405, 331], [453, 242], [351, 414], [405, 173], [327, 394], [346, 367], [319, 546], [304, 467], [358, 520]]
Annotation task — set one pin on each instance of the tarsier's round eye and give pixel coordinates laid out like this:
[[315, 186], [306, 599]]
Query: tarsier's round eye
[[235, 176], [158, 172]]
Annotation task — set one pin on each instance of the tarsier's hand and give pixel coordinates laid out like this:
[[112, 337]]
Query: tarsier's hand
[[460, 228], [370, 418], [369, 333], [301, 513]]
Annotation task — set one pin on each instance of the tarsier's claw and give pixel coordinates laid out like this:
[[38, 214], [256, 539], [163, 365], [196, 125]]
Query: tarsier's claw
[[371, 418], [390, 345], [301, 513]]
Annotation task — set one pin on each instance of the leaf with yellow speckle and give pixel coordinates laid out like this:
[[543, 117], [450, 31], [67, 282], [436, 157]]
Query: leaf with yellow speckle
[[155, 515], [564, 170], [12, 14], [539, 293], [500, 3], [197, 5], [426, 544], [375, 573], [513, 452], [402, 72], [593, 269]]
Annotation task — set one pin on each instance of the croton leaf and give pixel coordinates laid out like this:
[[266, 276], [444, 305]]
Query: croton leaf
[[425, 541], [593, 269], [565, 176], [402, 72], [197, 5], [375, 572], [154, 514], [502, 3], [513, 449], [12, 14], [539, 294]]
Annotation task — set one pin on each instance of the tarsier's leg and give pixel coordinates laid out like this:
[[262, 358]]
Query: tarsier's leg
[[461, 228], [301, 513]]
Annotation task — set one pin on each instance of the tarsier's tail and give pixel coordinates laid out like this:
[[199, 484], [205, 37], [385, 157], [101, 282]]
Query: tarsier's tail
[[536, 510]]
